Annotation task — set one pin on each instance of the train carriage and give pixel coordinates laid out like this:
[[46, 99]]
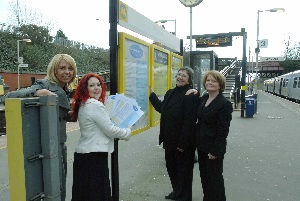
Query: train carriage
[[269, 85], [295, 86], [286, 86]]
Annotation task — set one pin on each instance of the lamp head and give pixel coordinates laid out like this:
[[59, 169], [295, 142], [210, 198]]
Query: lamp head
[[164, 21], [27, 40], [276, 10], [161, 21]]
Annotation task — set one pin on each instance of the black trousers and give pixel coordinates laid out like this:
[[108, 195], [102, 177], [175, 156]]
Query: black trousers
[[91, 177], [211, 173], [180, 167]]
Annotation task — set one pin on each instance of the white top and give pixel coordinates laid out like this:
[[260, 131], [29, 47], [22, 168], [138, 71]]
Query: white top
[[97, 130]]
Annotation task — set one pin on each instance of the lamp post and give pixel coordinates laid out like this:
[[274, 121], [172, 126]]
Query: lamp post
[[257, 50], [191, 4], [19, 59], [164, 21]]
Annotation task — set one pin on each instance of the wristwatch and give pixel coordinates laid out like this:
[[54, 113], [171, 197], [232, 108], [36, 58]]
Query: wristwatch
[[190, 3]]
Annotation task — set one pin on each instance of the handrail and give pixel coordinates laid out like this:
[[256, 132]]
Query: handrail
[[227, 68]]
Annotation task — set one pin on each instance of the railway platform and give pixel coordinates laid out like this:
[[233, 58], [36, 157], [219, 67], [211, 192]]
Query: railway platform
[[261, 164]]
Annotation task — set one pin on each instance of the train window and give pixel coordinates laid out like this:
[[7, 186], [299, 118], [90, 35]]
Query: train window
[[298, 82], [295, 82]]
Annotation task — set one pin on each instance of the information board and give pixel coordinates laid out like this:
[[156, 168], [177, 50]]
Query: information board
[[133, 74], [161, 75], [177, 62]]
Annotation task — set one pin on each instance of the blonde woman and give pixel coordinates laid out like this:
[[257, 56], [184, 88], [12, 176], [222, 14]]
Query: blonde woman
[[61, 72], [214, 114]]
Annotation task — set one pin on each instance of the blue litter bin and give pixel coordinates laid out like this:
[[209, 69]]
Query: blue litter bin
[[250, 106]]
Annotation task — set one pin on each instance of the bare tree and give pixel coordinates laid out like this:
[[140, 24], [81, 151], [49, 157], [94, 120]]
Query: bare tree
[[292, 49], [20, 15]]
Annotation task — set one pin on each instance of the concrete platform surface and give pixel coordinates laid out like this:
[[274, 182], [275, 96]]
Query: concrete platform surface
[[262, 162]]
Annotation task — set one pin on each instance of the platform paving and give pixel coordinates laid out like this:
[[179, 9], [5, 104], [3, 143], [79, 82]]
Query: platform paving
[[262, 162]]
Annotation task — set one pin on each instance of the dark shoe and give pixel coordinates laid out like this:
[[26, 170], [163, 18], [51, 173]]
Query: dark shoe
[[170, 196]]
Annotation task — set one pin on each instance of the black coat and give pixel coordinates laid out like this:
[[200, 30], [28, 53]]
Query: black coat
[[178, 118], [213, 125]]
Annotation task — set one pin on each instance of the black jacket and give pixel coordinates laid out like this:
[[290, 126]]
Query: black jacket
[[213, 125], [178, 118]]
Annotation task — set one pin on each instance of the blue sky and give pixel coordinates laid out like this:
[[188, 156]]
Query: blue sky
[[78, 20]]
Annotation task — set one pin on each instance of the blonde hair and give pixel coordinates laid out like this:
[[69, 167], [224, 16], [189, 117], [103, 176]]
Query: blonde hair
[[54, 65], [218, 76]]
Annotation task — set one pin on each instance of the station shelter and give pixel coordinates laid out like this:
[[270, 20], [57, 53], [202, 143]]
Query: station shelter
[[200, 62]]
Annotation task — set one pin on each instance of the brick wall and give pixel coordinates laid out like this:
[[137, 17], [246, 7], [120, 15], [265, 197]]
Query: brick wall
[[11, 79]]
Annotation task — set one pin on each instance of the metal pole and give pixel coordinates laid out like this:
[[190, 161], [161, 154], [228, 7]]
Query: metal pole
[[175, 27], [244, 66], [113, 43], [257, 52], [191, 33], [18, 14], [252, 65], [248, 69], [18, 41]]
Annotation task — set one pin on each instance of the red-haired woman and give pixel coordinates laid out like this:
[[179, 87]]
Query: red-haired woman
[[90, 167]]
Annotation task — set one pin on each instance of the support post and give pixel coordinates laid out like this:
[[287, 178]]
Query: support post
[[51, 158], [191, 35], [257, 52], [18, 64], [113, 38], [244, 65]]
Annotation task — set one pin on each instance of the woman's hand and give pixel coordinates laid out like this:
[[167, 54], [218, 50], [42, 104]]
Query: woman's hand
[[45, 92], [191, 91], [151, 90]]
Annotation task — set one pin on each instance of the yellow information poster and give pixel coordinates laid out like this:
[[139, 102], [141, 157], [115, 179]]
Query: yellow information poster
[[133, 73], [160, 58], [177, 62]]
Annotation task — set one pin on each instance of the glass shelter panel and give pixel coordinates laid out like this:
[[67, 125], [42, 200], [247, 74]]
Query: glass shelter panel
[[201, 65]]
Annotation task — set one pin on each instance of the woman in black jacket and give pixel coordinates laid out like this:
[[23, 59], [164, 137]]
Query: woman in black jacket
[[177, 133], [214, 115]]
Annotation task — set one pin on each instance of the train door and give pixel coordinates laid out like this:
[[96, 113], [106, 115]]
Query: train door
[[285, 87], [280, 86], [295, 89], [297, 92]]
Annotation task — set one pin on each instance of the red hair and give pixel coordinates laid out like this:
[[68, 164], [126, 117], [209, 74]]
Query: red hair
[[81, 94]]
